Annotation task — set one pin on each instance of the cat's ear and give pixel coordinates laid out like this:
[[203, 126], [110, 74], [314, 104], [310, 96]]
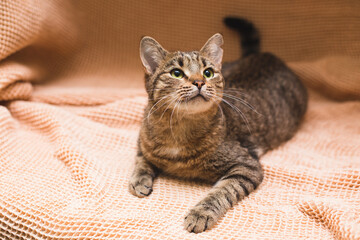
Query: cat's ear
[[212, 49], [151, 54]]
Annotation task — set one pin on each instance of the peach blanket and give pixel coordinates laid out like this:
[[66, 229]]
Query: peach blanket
[[72, 98]]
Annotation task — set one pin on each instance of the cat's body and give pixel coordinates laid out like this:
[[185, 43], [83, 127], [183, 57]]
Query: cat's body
[[275, 101], [214, 125]]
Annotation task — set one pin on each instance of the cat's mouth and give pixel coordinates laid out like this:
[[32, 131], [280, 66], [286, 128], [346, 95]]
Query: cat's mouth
[[195, 103], [199, 96]]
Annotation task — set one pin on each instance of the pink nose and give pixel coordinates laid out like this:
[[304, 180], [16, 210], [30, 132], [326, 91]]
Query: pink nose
[[199, 83]]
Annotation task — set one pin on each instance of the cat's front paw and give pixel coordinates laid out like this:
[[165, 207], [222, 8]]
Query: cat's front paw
[[199, 219], [141, 186]]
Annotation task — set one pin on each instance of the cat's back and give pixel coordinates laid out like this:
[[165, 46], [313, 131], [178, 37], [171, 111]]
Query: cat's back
[[254, 70], [265, 75], [273, 100]]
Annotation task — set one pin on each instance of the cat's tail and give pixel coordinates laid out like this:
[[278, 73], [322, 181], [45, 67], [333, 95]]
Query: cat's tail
[[250, 37]]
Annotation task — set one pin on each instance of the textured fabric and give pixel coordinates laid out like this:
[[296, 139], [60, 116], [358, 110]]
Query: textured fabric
[[72, 99]]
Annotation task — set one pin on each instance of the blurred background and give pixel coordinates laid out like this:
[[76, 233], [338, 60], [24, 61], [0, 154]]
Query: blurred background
[[96, 43]]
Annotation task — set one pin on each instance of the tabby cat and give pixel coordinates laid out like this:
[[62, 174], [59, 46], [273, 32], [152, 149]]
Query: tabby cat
[[212, 122]]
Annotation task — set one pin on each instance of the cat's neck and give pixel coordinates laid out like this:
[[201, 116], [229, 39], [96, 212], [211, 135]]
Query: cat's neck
[[184, 127]]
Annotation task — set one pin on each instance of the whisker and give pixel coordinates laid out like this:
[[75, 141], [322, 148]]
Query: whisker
[[150, 113], [177, 111], [170, 101], [172, 133], [237, 110], [237, 91], [242, 101], [221, 110], [167, 108]]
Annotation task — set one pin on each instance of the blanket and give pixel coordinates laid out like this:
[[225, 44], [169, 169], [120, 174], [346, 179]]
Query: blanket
[[71, 103]]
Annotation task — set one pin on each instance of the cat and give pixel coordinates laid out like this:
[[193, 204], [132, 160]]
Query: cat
[[212, 122]]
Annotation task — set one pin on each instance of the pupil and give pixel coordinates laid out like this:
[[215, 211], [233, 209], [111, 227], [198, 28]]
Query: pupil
[[207, 73], [177, 73]]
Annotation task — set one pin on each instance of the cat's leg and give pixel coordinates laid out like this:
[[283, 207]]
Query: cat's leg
[[141, 180], [242, 173]]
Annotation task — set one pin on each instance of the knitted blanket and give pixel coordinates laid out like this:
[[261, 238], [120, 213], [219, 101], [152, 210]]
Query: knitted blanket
[[72, 100]]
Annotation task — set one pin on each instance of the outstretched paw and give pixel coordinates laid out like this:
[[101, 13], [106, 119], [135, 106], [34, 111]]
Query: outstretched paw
[[141, 186], [198, 220]]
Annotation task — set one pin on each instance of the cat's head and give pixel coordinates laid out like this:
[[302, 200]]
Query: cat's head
[[188, 81]]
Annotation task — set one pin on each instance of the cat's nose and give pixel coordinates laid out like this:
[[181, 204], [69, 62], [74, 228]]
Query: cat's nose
[[199, 83]]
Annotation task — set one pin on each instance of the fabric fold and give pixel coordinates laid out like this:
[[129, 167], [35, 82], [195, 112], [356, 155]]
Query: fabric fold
[[341, 219]]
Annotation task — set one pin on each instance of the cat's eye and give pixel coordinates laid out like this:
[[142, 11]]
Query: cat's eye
[[177, 73], [208, 73]]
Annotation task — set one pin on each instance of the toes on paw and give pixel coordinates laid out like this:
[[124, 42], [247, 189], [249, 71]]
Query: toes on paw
[[140, 190], [195, 222]]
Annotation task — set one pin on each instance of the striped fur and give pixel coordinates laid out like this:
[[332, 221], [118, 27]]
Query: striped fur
[[189, 132]]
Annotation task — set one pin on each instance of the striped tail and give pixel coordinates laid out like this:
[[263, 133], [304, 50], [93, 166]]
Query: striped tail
[[250, 37]]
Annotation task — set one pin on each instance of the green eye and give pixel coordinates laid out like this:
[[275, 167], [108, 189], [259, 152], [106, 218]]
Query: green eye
[[177, 73], [208, 73]]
